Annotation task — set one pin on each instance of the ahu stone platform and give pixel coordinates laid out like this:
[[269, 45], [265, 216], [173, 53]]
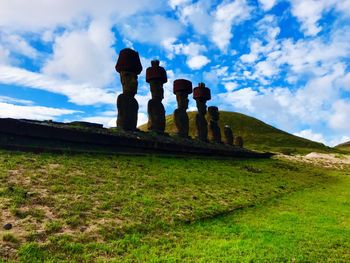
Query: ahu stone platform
[[41, 136]]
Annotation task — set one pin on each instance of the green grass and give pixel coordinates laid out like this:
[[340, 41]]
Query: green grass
[[345, 147], [312, 225], [146, 208], [257, 135]]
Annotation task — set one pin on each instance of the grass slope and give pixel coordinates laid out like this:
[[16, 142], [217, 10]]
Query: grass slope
[[344, 146], [81, 208], [257, 135], [312, 225]]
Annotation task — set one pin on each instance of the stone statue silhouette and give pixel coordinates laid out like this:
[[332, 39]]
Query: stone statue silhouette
[[215, 133], [182, 88], [156, 77], [228, 135], [201, 94], [128, 66]]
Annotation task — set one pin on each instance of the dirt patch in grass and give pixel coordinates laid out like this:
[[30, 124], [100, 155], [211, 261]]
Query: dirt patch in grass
[[333, 161]]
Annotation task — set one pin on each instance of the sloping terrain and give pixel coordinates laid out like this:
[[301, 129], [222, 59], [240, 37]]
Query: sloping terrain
[[86, 207], [344, 146], [257, 135], [95, 207]]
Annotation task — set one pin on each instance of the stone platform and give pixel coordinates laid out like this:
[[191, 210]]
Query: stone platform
[[41, 136]]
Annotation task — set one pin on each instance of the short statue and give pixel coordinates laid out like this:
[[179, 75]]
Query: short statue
[[128, 66], [214, 129], [239, 141], [156, 77], [182, 88], [201, 94], [228, 135]]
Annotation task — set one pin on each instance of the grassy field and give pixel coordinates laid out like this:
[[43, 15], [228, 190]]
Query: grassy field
[[257, 135], [76, 208], [344, 147]]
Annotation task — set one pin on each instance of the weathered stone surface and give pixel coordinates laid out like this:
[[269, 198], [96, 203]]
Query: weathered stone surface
[[228, 135], [214, 129], [156, 77], [128, 66], [127, 112], [239, 141], [201, 94], [182, 88]]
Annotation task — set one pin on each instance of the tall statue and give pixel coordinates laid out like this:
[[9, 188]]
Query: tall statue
[[182, 88], [156, 77], [128, 66], [228, 135], [201, 94], [215, 133]]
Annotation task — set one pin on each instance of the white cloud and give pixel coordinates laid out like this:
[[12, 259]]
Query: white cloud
[[17, 44], [192, 50], [4, 55], [267, 4], [197, 15], [309, 134], [197, 62], [31, 112], [176, 3], [82, 94], [84, 56], [10, 100], [37, 15], [155, 29], [226, 15], [340, 117], [309, 12], [230, 86]]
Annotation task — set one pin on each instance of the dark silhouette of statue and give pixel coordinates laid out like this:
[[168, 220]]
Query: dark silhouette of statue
[[128, 66], [238, 141], [182, 88], [156, 77], [201, 94], [228, 135], [214, 129]]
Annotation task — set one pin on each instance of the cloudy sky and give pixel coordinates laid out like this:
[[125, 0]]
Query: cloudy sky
[[286, 62]]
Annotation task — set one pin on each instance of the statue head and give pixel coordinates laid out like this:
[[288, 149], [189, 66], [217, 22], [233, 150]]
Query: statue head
[[213, 113], [181, 88], [182, 100]]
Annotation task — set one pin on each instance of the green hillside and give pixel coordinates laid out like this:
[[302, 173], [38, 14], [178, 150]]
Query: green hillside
[[344, 146], [257, 135]]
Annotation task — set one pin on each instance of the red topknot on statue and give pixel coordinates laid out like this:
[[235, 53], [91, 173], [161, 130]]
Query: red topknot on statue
[[183, 86], [129, 61], [201, 92]]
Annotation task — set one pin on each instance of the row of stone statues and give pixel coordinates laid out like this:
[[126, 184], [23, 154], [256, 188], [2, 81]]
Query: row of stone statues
[[129, 67]]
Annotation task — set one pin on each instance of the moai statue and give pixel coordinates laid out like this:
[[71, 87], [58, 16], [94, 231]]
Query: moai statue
[[182, 88], [156, 77], [201, 94], [128, 66], [239, 141], [213, 124], [228, 135]]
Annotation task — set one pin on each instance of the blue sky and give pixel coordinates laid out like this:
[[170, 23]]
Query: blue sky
[[284, 62]]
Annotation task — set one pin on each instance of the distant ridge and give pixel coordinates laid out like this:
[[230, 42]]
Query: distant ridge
[[257, 135], [344, 146]]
